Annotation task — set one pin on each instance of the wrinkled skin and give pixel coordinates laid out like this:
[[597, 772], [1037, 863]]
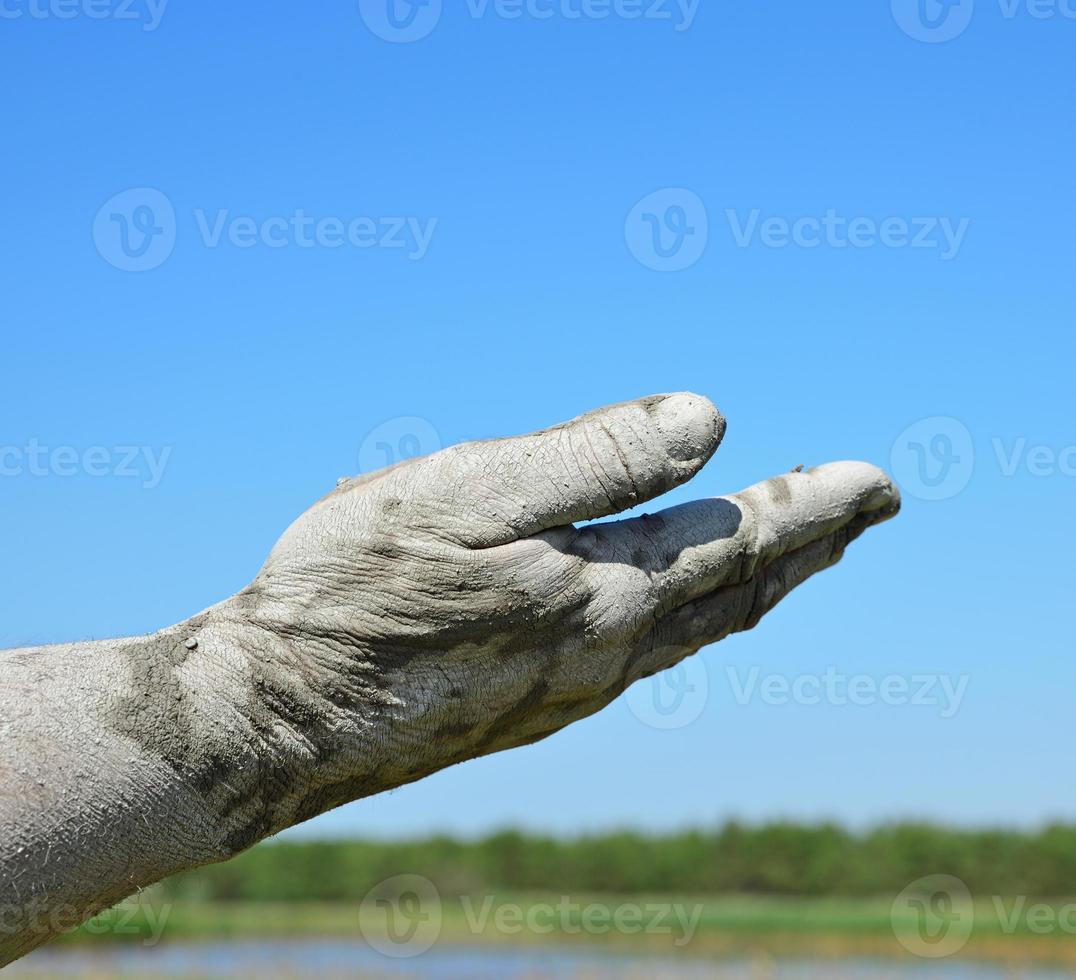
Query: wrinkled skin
[[433, 612]]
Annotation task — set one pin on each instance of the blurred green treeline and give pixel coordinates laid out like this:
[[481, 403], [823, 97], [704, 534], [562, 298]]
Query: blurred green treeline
[[771, 859]]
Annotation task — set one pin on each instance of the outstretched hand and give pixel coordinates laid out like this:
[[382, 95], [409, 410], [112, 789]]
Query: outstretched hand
[[446, 607]]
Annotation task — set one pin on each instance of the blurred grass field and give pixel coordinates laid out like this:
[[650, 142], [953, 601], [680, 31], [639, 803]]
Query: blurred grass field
[[780, 890]]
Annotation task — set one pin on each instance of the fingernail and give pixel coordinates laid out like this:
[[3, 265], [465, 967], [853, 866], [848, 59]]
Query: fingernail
[[689, 424]]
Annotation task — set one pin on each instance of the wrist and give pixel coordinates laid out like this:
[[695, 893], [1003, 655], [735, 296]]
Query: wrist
[[284, 734]]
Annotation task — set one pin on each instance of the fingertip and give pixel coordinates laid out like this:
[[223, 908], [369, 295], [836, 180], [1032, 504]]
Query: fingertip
[[690, 425], [869, 487], [886, 501]]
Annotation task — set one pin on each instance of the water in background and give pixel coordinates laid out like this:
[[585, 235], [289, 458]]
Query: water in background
[[356, 960]]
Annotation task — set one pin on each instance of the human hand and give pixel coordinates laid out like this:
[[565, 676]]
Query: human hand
[[446, 608]]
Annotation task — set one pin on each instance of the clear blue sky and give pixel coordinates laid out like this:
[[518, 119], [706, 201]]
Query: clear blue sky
[[262, 370]]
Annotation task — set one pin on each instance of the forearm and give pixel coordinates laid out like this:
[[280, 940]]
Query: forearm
[[125, 761]]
